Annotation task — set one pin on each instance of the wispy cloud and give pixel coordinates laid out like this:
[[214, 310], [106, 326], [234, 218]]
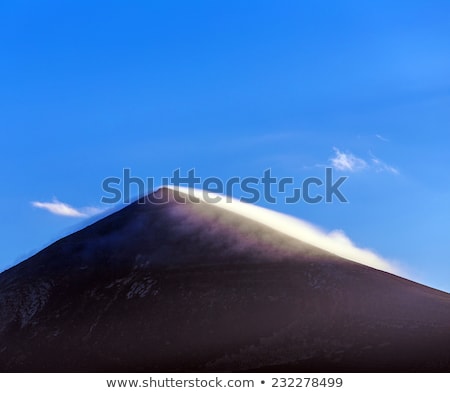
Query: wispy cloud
[[350, 163], [347, 161], [381, 138], [63, 209], [381, 166]]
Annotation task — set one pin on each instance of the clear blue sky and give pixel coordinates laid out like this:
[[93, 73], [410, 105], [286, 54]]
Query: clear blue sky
[[231, 88]]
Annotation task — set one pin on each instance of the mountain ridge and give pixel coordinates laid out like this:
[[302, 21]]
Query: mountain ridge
[[189, 287]]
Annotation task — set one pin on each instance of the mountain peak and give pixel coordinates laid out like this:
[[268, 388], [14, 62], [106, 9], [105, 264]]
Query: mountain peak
[[170, 194]]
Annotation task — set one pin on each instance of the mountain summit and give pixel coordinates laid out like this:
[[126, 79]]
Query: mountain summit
[[162, 287]]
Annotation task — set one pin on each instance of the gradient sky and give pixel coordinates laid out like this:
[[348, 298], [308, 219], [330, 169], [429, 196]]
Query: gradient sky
[[231, 89]]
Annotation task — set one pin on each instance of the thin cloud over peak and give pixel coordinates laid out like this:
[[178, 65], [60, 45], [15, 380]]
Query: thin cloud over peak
[[335, 242], [63, 209]]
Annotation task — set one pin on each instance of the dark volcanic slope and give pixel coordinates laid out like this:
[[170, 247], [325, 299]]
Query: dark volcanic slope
[[171, 287]]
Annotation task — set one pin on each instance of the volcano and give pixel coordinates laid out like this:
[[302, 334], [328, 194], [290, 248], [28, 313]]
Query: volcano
[[192, 287]]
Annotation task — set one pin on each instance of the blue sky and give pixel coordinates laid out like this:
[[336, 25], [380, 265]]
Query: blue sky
[[231, 89]]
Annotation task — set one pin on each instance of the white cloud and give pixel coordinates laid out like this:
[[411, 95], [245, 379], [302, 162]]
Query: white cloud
[[347, 161], [63, 209], [350, 163]]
